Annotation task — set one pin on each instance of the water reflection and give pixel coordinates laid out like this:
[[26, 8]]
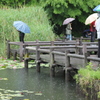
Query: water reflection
[[51, 88]]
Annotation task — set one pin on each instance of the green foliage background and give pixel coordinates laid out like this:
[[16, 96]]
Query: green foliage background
[[58, 10]]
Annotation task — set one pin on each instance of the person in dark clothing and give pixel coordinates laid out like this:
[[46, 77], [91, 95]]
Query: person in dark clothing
[[21, 36], [93, 31]]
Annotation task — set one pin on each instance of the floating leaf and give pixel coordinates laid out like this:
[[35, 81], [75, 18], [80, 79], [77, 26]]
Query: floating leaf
[[38, 93], [30, 92], [3, 79]]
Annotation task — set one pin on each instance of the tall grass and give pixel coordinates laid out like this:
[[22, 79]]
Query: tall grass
[[34, 17]]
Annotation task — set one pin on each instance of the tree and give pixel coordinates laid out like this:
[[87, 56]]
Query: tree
[[58, 10]]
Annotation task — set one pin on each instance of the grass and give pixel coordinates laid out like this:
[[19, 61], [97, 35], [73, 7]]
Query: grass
[[35, 17]]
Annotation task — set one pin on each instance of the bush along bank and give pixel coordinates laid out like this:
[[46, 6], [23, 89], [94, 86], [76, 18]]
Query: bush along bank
[[88, 82]]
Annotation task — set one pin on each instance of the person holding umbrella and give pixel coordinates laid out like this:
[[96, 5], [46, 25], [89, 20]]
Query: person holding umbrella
[[91, 20], [21, 36], [69, 31], [68, 23], [93, 31], [22, 28]]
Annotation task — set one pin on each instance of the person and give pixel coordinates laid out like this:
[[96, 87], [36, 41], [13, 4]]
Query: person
[[97, 25], [69, 31], [21, 36], [87, 33], [93, 31]]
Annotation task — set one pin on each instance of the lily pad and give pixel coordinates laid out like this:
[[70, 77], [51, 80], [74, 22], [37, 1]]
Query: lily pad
[[38, 93]]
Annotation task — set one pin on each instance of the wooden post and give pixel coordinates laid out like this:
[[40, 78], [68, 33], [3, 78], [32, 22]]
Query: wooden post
[[21, 49], [26, 63], [52, 43], [37, 58], [52, 66], [80, 43], [84, 49], [85, 59], [67, 59], [67, 66], [25, 59], [85, 53], [98, 48], [8, 49], [15, 55], [76, 49]]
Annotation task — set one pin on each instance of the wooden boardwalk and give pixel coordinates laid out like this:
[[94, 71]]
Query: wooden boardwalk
[[67, 54], [64, 57]]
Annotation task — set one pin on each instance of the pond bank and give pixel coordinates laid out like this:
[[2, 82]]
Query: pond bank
[[88, 82]]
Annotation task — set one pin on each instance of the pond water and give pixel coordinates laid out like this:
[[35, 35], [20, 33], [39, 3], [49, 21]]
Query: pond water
[[42, 86]]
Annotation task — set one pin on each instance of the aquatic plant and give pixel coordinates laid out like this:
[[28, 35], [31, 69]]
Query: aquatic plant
[[11, 94], [88, 80], [15, 64]]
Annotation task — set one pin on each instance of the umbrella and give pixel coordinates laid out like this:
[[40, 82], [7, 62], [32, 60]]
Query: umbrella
[[21, 26], [91, 18], [68, 20], [97, 8]]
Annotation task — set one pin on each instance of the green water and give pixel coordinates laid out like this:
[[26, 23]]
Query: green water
[[51, 88]]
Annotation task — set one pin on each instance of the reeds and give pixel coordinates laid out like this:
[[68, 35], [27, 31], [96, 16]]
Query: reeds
[[34, 17]]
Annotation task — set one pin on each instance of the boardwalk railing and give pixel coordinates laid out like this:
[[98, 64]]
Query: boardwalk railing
[[60, 55], [21, 46]]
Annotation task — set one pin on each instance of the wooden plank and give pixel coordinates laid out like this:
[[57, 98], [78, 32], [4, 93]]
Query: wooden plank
[[93, 58], [76, 56]]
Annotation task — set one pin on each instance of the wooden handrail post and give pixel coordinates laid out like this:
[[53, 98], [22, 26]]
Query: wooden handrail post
[[8, 49], [52, 68], [21, 49], [37, 58], [67, 59], [85, 59], [76, 48], [67, 66], [52, 43], [84, 49], [85, 53], [37, 41], [25, 58]]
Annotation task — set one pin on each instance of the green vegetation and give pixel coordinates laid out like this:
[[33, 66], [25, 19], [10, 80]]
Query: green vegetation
[[88, 78], [58, 10], [16, 64], [36, 19]]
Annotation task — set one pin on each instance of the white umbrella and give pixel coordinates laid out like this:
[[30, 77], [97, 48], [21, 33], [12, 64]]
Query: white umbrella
[[91, 18]]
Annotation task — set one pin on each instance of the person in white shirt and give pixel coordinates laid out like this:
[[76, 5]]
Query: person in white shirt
[[97, 26]]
